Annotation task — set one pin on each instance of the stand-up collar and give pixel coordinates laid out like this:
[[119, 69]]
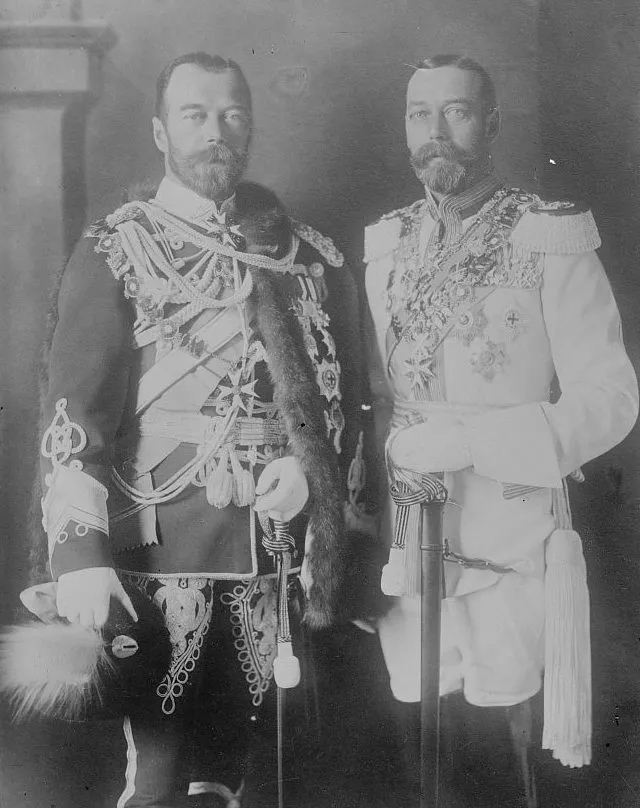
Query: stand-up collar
[[453, 208], [187, 204]]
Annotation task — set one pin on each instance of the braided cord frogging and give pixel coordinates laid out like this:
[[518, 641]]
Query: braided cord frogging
[[157, 214], [143, 250]]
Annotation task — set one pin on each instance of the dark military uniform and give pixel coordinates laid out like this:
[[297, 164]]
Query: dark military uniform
[[193, 346]]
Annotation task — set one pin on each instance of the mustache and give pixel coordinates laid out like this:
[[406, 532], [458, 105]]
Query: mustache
[[423, 155], [220, 152]]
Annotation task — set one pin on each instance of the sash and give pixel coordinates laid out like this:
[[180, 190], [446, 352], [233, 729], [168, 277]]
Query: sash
[[215, 334]]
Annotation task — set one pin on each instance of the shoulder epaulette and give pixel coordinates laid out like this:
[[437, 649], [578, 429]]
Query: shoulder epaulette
[[381, 237], [557, 228], [322, 244], [126, 212]]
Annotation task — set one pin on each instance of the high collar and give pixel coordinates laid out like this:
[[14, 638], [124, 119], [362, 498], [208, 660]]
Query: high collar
[[187, 204], [453, 208]]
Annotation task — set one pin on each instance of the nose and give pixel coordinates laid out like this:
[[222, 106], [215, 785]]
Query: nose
[[437, 127], [213, 130]]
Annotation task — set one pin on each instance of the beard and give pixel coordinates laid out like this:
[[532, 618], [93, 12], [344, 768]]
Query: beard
[[441, 167], [212, 173]]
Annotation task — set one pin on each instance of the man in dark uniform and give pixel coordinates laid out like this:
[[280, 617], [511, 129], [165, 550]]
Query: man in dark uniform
[[195, 386]]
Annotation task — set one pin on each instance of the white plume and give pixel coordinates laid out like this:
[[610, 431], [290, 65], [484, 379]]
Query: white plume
[[51, 670]]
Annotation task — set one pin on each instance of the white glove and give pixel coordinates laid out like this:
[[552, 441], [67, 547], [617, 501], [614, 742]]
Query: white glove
[[437, 444], [83, 596], [290, 490]]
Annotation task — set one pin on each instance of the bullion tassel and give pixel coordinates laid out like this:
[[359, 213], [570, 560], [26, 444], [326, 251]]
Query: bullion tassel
[[401, 575], [244, 489], [567, 680], [219, 486]]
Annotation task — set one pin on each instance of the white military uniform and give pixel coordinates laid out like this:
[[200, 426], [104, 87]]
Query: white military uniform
[[477, 323]]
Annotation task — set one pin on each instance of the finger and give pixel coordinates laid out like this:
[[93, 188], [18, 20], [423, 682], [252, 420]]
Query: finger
[[126, 602], [269, 476]]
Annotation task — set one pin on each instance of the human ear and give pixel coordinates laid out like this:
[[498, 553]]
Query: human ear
[[160, 135], [492, 124]]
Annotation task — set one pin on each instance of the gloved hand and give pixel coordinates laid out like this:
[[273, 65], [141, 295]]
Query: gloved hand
[[437, 444], [290, 490], [83, 596]]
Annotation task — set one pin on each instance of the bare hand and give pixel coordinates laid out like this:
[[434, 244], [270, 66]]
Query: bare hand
[[84, 595], [290, 490]]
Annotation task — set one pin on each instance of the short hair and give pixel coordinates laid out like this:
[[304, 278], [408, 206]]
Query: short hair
[[213, 64], [488, 89]]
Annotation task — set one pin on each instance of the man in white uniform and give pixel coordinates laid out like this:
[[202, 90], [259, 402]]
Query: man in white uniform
[[481, 296]]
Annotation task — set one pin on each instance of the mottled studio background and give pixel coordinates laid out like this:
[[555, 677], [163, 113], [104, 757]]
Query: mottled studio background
[[328, 79]]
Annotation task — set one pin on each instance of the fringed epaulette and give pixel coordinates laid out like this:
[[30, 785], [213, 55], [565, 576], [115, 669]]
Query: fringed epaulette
[[556, 228], [382, 236], [322, 244], [125, 213]]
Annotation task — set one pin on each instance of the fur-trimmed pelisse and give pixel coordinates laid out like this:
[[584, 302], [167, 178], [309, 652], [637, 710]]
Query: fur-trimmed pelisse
[[296, 394], [59, 670]]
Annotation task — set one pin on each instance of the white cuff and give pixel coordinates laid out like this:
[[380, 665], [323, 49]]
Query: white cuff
[[73, 494]]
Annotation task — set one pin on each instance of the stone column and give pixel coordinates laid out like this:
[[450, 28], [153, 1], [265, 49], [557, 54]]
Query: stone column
[[50, 64]]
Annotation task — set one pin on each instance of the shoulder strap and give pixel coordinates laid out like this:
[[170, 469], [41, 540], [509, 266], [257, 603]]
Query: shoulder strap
[[558, 228]]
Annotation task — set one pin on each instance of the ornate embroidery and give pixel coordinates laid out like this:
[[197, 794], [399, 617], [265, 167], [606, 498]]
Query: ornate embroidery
[[520, 269], [111, 243], [186, 604], [427, 298], [74, 502], [63, 438], [488, 358], [253, 615]]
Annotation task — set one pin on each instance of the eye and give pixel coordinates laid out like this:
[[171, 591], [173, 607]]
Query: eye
[[194, 115], [237, 118], [457, 114], [418, 115]]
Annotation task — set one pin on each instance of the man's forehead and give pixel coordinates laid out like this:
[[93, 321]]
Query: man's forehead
[[190, 83], [443, 83]]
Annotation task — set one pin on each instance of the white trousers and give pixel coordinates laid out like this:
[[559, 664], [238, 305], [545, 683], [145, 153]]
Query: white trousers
[[492, 645]]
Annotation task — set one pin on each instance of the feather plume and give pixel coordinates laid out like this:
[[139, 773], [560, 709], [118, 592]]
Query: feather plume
[[53, 670]]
